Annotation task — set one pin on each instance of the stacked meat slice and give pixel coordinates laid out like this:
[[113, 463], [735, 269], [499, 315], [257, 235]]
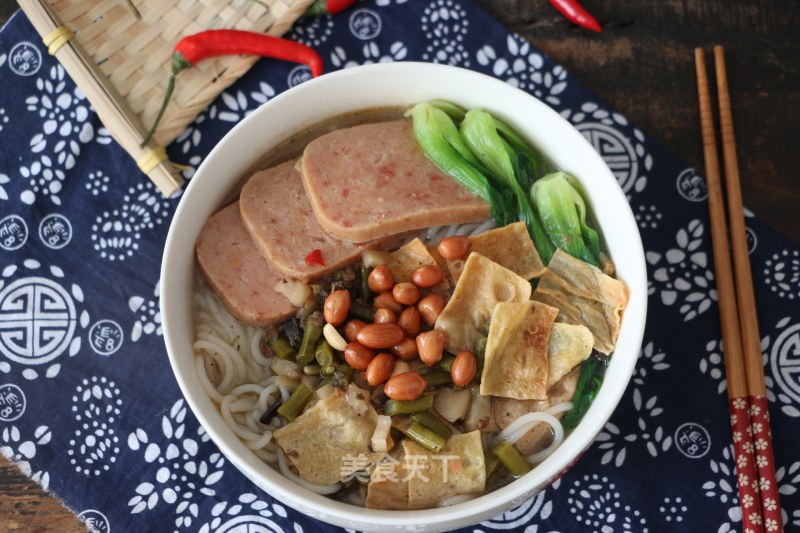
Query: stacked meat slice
[[353, 189]]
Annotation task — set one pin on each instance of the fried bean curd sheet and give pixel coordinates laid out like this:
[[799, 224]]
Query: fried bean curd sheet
[[509, 246], [516, 364], [584, 295], [458, 468], [569, 346], [506, 410], [410, 257], [388, 485], [322, 441], [482, 285]]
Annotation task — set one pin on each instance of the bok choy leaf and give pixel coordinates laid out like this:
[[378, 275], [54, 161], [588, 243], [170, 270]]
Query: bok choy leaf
[[563, 215]]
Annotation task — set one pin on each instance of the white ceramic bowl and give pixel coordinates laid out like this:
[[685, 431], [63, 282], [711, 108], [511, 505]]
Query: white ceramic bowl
[[393, 84]]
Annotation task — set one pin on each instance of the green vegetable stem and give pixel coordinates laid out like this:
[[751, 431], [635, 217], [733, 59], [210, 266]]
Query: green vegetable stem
[[311, 333], [425, 437], [563, 214], [510, 457], [292, 407], [585, 392], [405, 407]]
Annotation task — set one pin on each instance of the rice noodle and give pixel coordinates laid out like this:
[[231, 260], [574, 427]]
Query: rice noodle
[[319, 489], [235, 373], [458, 498], [523, 424]]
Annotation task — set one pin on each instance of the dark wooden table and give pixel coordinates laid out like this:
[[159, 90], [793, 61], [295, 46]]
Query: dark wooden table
[[642, 64]]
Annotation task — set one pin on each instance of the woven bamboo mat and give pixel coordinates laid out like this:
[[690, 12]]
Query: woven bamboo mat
[[121, 60]]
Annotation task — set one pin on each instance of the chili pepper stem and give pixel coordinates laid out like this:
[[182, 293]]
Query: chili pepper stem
[[178, 64]]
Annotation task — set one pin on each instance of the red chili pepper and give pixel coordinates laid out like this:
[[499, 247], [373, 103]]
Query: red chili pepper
[[328, 7], [214, 43], [574, 11], [315, 258]]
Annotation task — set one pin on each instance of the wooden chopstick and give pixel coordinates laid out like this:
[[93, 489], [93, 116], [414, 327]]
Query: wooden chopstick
[[729, 317], [738, 402], [748, 318]]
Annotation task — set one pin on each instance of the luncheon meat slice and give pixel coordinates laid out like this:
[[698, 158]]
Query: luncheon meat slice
[[237, 273], [372, 180], [276, 212]]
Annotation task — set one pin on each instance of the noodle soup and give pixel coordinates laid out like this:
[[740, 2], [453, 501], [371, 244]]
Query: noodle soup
[[420, 368], [216, 186]]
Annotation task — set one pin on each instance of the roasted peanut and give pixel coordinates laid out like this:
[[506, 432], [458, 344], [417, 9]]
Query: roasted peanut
[[463, 368], [405, 386], [352, 328], [336, 307], [430, 345], [429, 308], [386, 300], [409, 320], [358, 356], [384, 316], [380, 336], [406, 293], [405, 349], [380, 279], [427, 276], [379, 369], [456, 247]]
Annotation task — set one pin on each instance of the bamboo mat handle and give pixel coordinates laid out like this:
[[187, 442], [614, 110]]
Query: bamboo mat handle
[[118, 118]]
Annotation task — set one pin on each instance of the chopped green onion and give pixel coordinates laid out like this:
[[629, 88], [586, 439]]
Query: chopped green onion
[[511, 458], [437, 377], [425, 437], [446, 362], [292, 407], [362, 311], [432, 422], [405, 407], [323, 353], [311, 334], [282, 349]]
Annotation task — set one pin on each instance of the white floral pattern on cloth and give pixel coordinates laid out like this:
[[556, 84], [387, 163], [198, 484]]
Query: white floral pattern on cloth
[[182, 475], [782, 273], [683, 275], [148, 315], [620, 145], [521, 66], [116, 234], [597, 505], [248, 513], [446, 25], [722, 487], [67, 124], [21, 452], [655, 439], [94, 446], [781, 356], [40, 318], [537, 509], [370, 53]]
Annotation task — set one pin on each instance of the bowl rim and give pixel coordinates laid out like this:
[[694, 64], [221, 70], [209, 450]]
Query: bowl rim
[[324, 508]]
